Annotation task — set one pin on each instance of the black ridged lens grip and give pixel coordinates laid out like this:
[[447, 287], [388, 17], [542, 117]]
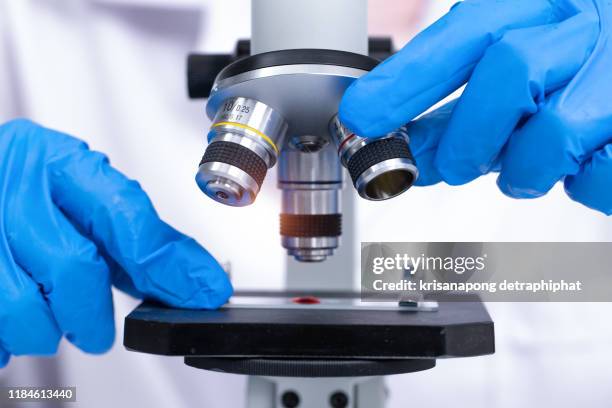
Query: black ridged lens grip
[[311, 225], [377, 152], [238, 156]]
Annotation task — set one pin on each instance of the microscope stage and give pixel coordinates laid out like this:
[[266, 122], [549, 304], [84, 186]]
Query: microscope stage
[[262, 341]]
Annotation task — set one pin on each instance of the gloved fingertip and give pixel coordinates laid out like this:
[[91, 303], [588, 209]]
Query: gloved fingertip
[[506, 189], [98, 342], [186, 276], [99, 348], [513, 191], [590, 186], [214, 293], [45, 347], [458, 166], [347, 119], [362, 113], [219, 297], [596, 200]]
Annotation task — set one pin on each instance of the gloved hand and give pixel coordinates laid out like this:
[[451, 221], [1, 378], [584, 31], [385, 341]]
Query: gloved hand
[[537, 107], [70, 226]]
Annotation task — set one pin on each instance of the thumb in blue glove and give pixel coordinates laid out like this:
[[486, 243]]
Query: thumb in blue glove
[[536, 106], [70, 226]]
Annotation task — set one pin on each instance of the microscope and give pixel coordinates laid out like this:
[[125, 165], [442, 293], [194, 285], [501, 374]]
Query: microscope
[[274, 103]]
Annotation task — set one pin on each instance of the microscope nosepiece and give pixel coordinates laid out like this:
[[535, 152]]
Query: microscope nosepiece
[[243, 145], [380, 168]]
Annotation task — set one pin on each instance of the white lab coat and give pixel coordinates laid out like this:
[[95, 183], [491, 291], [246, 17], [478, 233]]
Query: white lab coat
[[112, 73]]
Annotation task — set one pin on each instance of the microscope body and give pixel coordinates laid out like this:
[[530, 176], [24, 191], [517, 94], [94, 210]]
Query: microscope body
[[275, 104], [278, 106]]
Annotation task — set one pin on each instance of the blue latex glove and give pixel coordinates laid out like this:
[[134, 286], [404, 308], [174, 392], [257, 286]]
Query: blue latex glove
[[537, 107], [70, 226]]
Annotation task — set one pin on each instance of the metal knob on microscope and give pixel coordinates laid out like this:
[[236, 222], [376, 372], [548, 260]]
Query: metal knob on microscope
[[380, 168], [244, 142]]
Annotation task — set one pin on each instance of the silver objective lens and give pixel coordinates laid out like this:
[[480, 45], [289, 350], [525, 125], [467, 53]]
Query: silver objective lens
[[380, 168], [310, 221], [244, 142]]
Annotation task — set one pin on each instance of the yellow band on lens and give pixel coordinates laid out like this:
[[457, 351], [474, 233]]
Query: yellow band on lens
[[252, 129]]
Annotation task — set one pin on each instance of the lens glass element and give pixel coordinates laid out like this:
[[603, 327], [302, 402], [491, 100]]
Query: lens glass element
[[390, 184]]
